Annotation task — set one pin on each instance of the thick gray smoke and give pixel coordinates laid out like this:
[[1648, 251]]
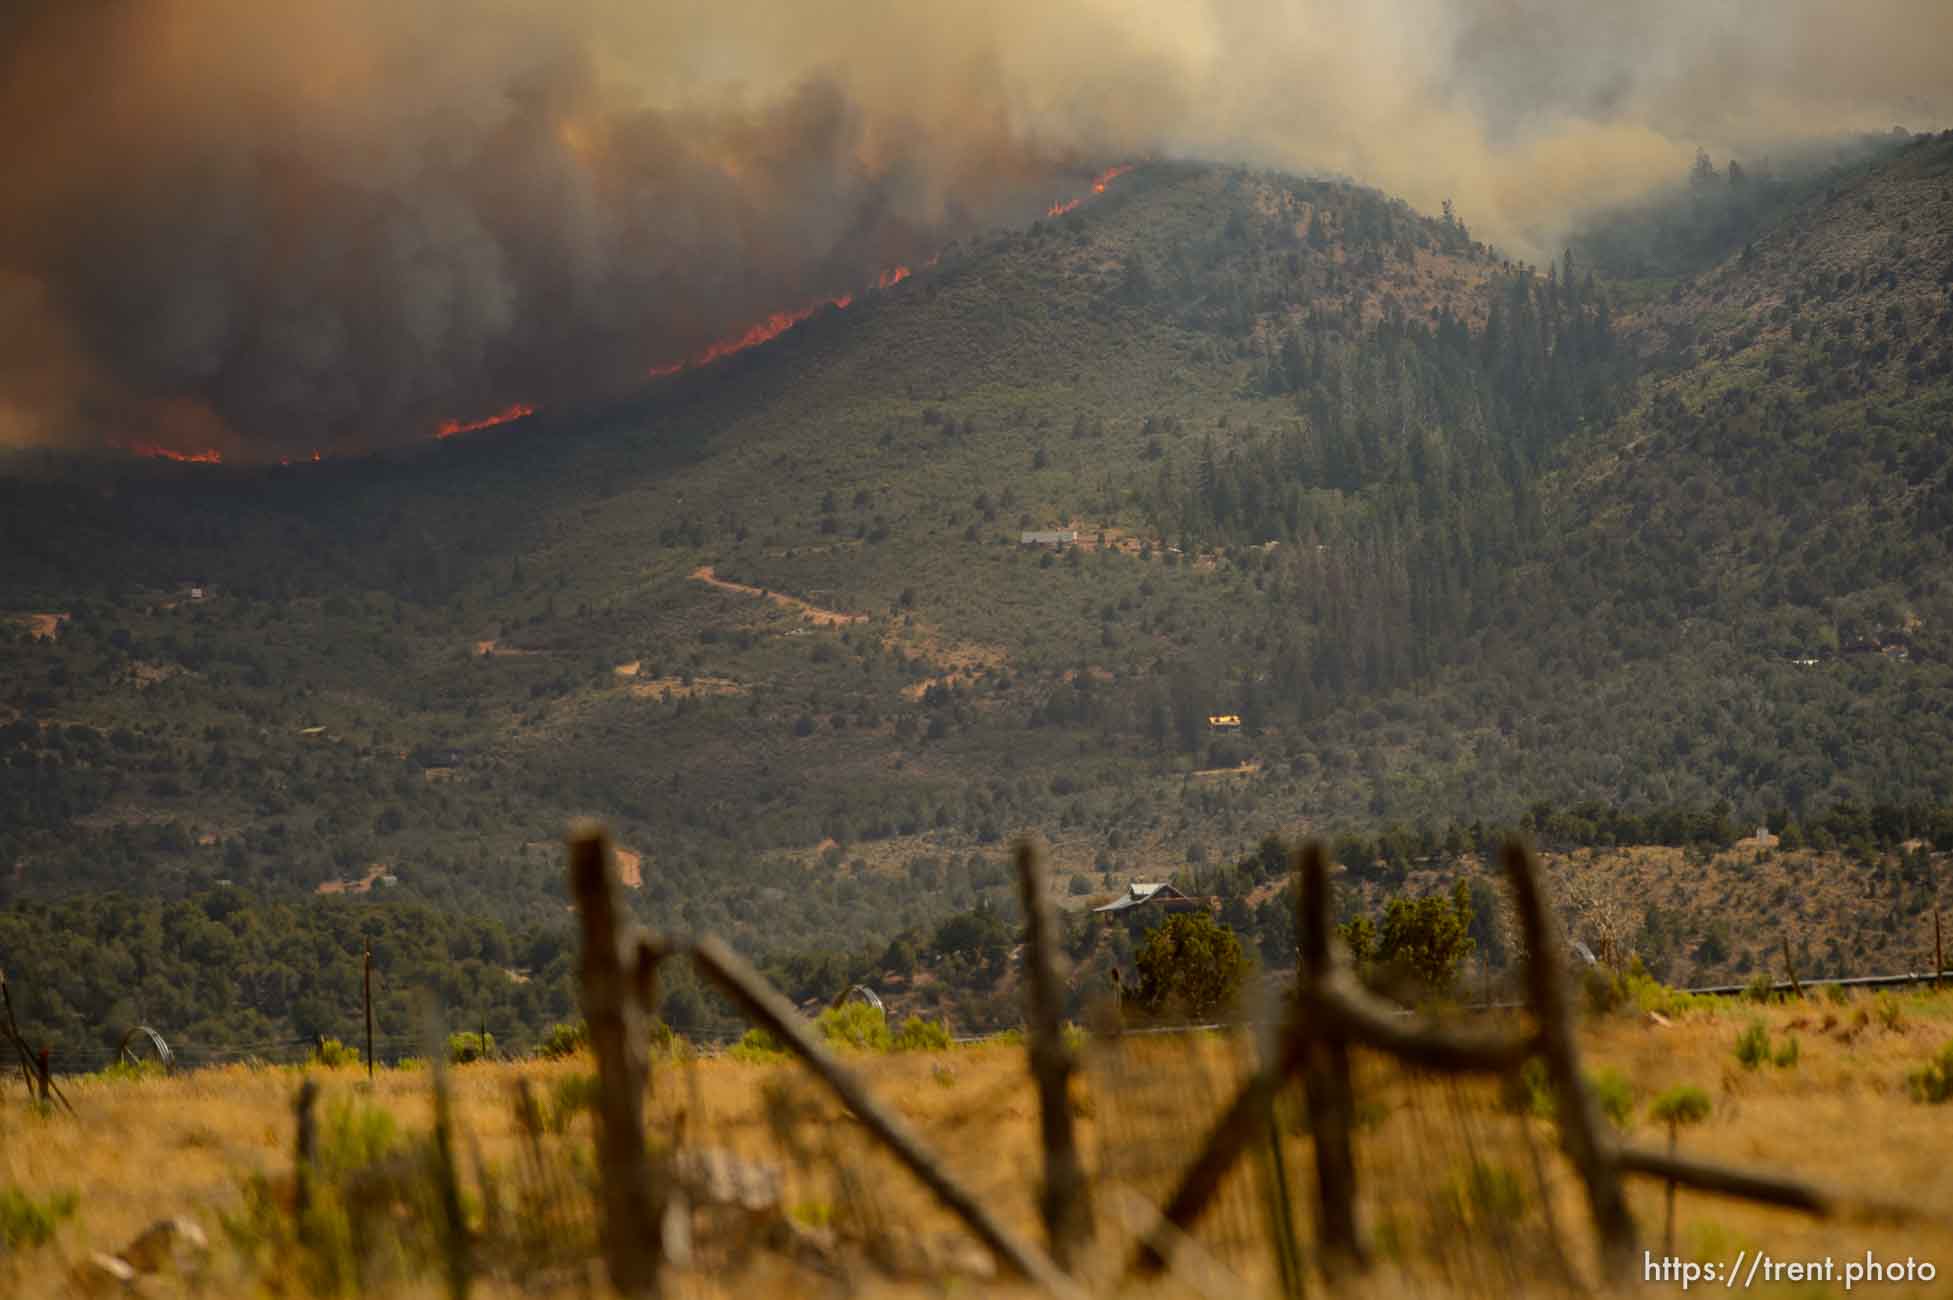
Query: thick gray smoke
[[272, 229]]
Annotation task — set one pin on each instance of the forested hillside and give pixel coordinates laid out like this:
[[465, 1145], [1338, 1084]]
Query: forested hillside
[[1453, 537]]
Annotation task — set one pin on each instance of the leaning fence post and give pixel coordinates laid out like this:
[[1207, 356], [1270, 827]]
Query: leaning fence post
[[630, 1223], [1790, 968], [1326, 1083], [1580, 1130], [308, 1093], [368, 980], [1065, 1201]]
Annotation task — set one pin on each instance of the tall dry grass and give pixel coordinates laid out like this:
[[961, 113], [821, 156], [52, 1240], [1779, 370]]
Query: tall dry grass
[[1463, 1192]]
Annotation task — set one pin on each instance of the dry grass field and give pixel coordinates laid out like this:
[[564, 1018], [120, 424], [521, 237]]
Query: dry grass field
[[1463, 1191]]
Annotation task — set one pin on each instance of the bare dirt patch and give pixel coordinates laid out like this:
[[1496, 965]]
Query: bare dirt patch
[[677, 688], [630, 868], [145, 675], [628, 670], [1248, 768], [954, 662], [364, 885], [811, 612], [44, 627], [494, 649]]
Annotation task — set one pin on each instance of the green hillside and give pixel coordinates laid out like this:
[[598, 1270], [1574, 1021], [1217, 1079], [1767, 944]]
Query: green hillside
[[1453, 538]]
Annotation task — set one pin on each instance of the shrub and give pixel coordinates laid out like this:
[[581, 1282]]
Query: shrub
[[1786, 1056], [1838, 993], [1932, 1082], [569, 1097], [1615, 1097], [1753, 1045], [1487, 1194], [1190, 963], [1886, 1008], [335, 1055], [1761, 988], [132, 1071], [919, 1035], [565, 1038], [854, 1025], [757, 1047], [466, 1048], [25, 1221], [355, 1135], [1681, 1106]]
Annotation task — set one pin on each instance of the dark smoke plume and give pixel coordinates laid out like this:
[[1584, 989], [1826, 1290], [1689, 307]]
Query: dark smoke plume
[[273, 229]]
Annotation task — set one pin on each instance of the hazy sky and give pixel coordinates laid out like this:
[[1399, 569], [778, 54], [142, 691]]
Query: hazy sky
[[274, 228]]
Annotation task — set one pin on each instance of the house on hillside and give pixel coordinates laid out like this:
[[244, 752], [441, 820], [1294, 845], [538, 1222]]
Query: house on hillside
[[1161, 896], [1224, 722], [1057, 539]]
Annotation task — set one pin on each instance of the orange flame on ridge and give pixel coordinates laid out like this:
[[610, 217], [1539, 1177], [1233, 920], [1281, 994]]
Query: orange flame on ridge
[[208, 456], [1099, 183], [451, 427]]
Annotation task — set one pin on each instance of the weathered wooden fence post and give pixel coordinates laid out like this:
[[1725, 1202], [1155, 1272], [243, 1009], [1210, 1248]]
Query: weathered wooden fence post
[[368, 980], [1939, 950], [1580, 1123], [631, 1217], [308, 1146], [1790, 968], [47, 1075], [1065, 1200], [1326, 1082], [454, 1223]]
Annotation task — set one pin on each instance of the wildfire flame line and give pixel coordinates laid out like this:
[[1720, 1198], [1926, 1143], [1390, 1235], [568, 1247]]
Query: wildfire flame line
[[763, 331], [1099, 183], [208, 456], [451, 427]]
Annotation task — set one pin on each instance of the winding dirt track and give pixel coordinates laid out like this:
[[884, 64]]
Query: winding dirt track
[[812, 613]]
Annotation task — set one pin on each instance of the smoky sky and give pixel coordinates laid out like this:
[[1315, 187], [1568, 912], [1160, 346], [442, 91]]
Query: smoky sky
[[273, 229]]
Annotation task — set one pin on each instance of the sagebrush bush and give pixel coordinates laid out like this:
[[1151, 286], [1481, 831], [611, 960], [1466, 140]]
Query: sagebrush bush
[[1487, 1194], [1681, 1106], [466, 1048], [565, 1038], [1753, 1045], [26, 1222], [334, 1055], [855, 1025], [919, 1035], [1614, 1095], [1888, 1012], [1786, 1056], [757, 1047], [1932, 1082]]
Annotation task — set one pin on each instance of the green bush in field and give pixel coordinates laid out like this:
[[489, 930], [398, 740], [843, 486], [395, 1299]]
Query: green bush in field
[[565, 1038], [1614, 1095], [1680, 1106], [27, 1222], [1787, 1055], [466, 1048], [919, 1035], [133, 1071], [1753, 1045], [1932, 1082], [757, 1047], [334, 1055], [854, 1025], [1886, 1009]]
